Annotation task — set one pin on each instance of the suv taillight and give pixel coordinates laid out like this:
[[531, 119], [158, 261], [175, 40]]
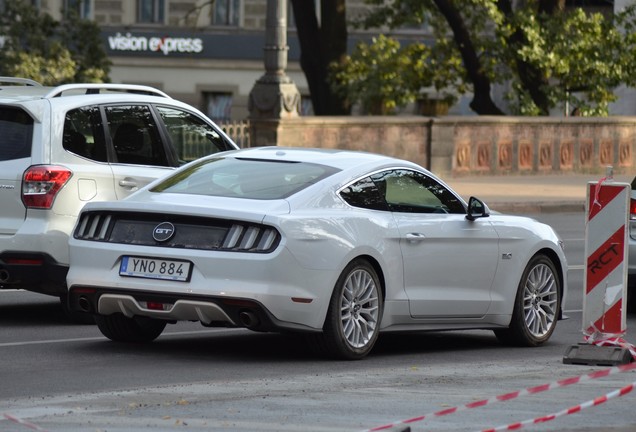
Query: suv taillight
[[632, 209], [41, 183]]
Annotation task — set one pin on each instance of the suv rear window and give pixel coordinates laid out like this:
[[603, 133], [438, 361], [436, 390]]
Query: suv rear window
[[16, 133]]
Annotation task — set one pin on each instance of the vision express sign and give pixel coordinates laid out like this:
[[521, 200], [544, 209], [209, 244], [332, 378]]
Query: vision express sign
[[123, 42]]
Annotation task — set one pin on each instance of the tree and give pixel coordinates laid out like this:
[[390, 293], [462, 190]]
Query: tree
[[545, 53], [38, 47], [382, 76], [319, 47]]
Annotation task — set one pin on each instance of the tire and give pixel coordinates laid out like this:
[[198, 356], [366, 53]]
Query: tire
[[119, 328], [537, 305], [355, 311]]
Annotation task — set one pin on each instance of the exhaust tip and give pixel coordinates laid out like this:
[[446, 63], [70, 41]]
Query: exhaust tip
[[249, 319], [84, 304], [4, 275]]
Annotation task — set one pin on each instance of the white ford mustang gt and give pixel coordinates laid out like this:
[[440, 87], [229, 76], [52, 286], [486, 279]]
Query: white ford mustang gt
[[339, 245]]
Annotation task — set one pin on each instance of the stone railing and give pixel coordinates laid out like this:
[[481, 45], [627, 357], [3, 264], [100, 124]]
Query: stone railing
[[469, 145], [239, 131], [502, 145]]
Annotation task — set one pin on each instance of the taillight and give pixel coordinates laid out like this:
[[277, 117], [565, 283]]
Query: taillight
[[41, 183], [632, 209]]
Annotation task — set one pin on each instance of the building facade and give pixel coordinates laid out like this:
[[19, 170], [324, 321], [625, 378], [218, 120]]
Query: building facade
[[209, 53], [206, 53]]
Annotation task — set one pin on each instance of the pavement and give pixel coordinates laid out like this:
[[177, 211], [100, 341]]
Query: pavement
[[531, 193]]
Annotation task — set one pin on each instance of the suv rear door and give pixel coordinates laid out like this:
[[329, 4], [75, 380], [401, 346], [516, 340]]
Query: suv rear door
[[16, 136], [139, 155], [85, 154], [149, 141]]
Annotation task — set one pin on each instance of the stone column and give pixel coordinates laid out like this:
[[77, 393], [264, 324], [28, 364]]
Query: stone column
[[274, 96]]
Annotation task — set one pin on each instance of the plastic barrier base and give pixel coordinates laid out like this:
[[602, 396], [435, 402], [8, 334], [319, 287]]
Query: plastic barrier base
[[594, 355]]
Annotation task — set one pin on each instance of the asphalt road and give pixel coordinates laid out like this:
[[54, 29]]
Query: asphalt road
[[58, 376]]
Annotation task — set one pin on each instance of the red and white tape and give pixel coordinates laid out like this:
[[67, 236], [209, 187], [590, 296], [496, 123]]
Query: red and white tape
[[23, 422], [600, 339], [516, 394], [572, 410]]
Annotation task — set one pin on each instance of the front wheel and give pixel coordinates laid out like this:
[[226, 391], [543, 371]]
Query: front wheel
[[119, 328], [355, 310], [537, 305]]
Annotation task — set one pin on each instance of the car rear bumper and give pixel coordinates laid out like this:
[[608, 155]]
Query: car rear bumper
[[211, 311], [32, 271]]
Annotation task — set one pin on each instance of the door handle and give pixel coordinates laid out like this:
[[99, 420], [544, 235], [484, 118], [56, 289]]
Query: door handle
[[129, 184], [415, 237]]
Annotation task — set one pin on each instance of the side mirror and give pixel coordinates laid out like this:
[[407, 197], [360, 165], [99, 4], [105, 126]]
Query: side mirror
[[476, 209]]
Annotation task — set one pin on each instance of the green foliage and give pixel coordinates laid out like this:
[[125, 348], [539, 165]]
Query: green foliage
[[579, 54], [51, 52], [383, 76], [545, 60]]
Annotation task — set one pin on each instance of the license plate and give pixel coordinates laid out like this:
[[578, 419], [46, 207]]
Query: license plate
[[153, 268]]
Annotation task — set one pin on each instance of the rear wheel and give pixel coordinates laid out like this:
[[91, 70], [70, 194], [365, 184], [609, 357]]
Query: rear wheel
[[119, 328], [355, 310], [537, 305]]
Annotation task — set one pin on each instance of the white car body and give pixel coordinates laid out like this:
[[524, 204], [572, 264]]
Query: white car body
[[437, 270]]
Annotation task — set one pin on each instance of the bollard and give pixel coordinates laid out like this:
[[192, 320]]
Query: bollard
[[605, 281]]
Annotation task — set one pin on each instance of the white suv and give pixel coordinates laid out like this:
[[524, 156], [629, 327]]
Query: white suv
[[61, 147]]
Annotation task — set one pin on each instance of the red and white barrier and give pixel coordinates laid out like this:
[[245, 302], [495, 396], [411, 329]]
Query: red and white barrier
[[606, 231], [521, 393], [24, 423], [572, 410]]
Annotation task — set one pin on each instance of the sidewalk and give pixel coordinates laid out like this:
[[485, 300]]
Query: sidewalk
[[533, 193]]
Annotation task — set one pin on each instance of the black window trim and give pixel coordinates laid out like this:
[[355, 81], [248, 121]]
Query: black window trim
[[394, 168]]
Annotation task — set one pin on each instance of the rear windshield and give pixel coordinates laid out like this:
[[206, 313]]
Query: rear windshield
[[245, 178], [16, 132]]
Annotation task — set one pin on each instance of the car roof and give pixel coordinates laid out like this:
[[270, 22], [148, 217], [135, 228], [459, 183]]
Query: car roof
[[336, 158], [33, 91]]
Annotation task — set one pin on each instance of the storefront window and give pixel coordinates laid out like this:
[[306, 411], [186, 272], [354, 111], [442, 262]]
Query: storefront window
[[83, 8], [151, 11], [219, 106], [226, 12]]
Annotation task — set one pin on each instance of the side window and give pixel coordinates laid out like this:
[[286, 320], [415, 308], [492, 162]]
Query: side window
[[16, 130], [413, 192], [83, 133], [365, 194], [191, 137], [135, 135]]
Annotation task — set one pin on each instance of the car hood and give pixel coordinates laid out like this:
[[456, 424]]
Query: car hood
[[195, 205]]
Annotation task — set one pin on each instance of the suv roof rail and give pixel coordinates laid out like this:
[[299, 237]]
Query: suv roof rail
[[97, 88], [16, 80]]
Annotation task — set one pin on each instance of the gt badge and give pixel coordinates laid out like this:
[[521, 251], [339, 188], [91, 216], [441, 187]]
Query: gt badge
[[163, 232]]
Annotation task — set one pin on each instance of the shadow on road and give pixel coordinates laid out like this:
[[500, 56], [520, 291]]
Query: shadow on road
[[249, 347], [21, 313]]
